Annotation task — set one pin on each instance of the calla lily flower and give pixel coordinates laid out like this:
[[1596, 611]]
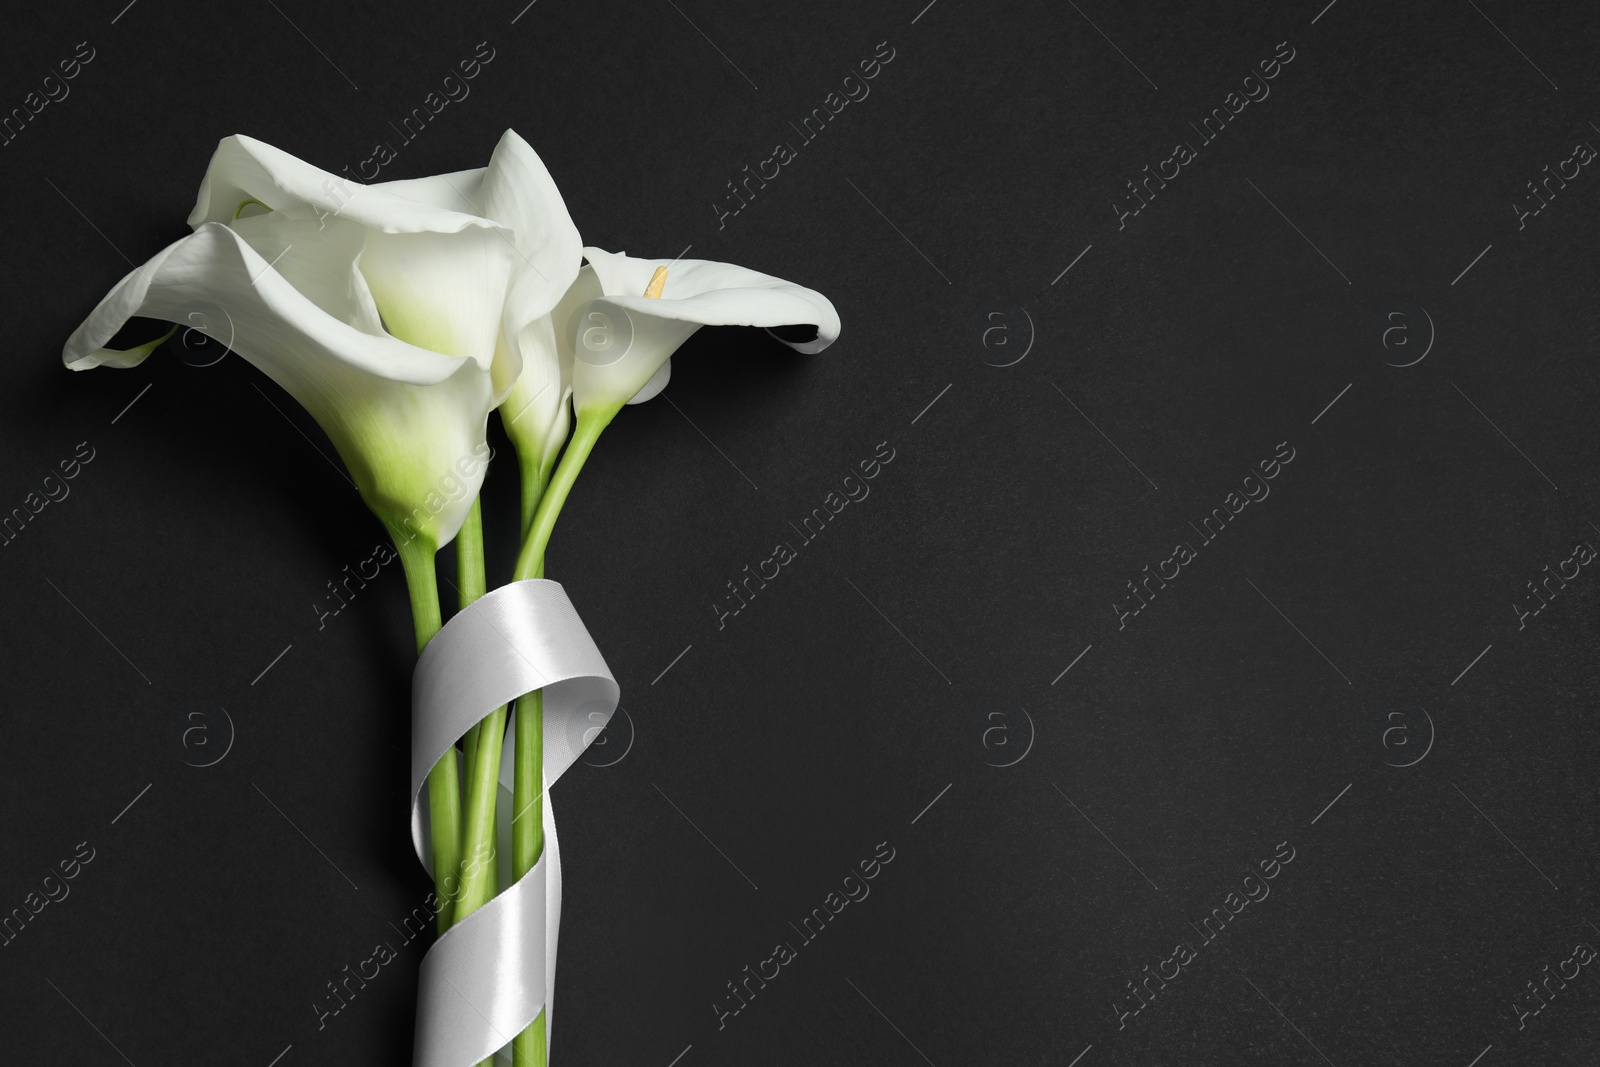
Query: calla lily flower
[[625, 324], [532, 367], [623, 319], [377, 311]]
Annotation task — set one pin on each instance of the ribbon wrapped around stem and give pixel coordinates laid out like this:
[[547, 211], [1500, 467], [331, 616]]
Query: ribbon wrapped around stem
[[490, 975]]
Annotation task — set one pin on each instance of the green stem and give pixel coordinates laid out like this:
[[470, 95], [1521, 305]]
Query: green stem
[[469, 753], [527, 828], [471, 583], [590, 424], [444, 790], [534, 475], [528, 1047], [484, 744], [470, 580], [527, 838], [477, 878]]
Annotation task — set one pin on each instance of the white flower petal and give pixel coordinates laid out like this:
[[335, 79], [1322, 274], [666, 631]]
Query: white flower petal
[[320, 260], [120, 358], [618, 354], [257, 313], [243, 168], [646, 331], [443, 291], [717, 294], [438, 275], [584, 288], [408, 422], [537, 411], [545, 351], [459, 192], [653, 387], [519, 193]]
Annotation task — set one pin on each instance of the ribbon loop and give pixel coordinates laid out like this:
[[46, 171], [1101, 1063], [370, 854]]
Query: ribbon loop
[[490, 975]]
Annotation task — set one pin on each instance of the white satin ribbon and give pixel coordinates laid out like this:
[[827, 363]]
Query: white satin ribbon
[[490, 975]]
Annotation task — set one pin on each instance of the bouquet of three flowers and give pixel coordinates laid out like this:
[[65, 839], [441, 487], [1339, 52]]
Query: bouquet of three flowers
[[400, 315]]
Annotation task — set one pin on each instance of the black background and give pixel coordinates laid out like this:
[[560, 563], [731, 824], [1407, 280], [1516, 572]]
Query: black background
[[1177, 352]]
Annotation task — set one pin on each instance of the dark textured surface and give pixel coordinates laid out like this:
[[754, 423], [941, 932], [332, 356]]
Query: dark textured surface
[[1187, 744]]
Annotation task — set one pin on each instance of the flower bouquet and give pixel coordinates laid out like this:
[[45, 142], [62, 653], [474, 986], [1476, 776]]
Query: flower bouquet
[[400, 315]]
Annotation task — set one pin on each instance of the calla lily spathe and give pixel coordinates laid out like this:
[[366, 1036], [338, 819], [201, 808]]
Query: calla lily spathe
[[377, 310], [623, 340], [517, 191], [623, 318]]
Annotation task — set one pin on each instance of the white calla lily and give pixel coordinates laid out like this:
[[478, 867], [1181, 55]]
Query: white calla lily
[[379, 313], [516, 191], [624, 338], [532, 365], [519, 193], [623, 318]]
